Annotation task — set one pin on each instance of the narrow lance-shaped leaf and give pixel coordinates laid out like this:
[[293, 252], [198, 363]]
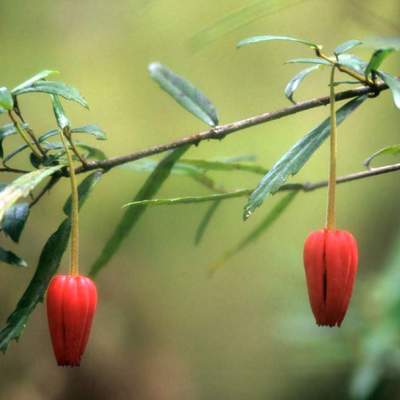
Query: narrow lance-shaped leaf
[[14, 220], [55, 88], [22, 186], [6, 100], [59, 113], [268, 38], [394, 86], [132, 215], [184, 93], [39, 76], [205, 221], [260, 229], [346, 46], [377, 59], [91, 129], [352, 62], [6, 130], [49, 261], [392, 150], [318, 61], [296, 157], [294, 83], [189, 199], [9, 257]]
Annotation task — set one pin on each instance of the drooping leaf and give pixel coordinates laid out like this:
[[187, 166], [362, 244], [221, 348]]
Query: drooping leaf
[[14, 220], [84, 189], [22, 186], [39, 76], [6, 130], [244, 15], [291, 162], [94, 130], [377, 59], [55, 88], [348, 45], [59, 113], [91, 152], [318, 61], [260, 229], [49, 261], [9, 257], [184, 93], [294, 83], [188, 199], [393, 150], [6, 100], [205, 221], [394, 86], [268, 38], [132, 215]]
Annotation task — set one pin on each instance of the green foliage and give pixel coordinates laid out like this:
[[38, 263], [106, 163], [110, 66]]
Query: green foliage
[[22, 186], [54, 88], [393, 150], [184, 93], [59, 113], [268, 38], [37, 77], [291, 162], [132, 215], [6, 130], [14, 220], [6, 100], [394, 86], [91, 129], [294, 83], [346, 46], [9, 257], [377, 59]]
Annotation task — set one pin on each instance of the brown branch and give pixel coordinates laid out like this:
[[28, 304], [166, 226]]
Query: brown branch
[[221, 131]]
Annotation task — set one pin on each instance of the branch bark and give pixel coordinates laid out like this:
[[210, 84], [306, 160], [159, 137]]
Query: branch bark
[[221, 131]]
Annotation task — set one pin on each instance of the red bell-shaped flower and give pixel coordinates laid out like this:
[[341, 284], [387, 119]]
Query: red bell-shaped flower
[[71, 303], [330, 261]]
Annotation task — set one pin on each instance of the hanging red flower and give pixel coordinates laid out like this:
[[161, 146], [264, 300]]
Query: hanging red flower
[[330, 261], [71, 304]]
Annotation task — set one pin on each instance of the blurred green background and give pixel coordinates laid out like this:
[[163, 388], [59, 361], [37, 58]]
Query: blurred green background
[[164, 330]]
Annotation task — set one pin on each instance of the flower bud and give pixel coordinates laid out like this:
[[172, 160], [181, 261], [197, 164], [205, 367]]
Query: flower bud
[[71, 303], [330, 261]]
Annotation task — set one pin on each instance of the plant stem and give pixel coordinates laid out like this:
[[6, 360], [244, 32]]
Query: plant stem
[[331, 216], [23, 135], [74, 266]]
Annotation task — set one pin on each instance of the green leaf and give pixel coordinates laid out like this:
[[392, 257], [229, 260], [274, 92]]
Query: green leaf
[[184, 93], [6, 130], [132, 215], [291, 162], [377, 59], [6, 100], [22, 186], [94, 130], [346, 46], [393, 150], [383, 42], [55, 88], [294, 83], [59, 113], [39, 76], [84, 189], [318, 61], [14, 220], [394, 86], [9, 257], [261, 228], [352, 62], [200, 231], [268, 38], [188, 199], [49, 261]]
